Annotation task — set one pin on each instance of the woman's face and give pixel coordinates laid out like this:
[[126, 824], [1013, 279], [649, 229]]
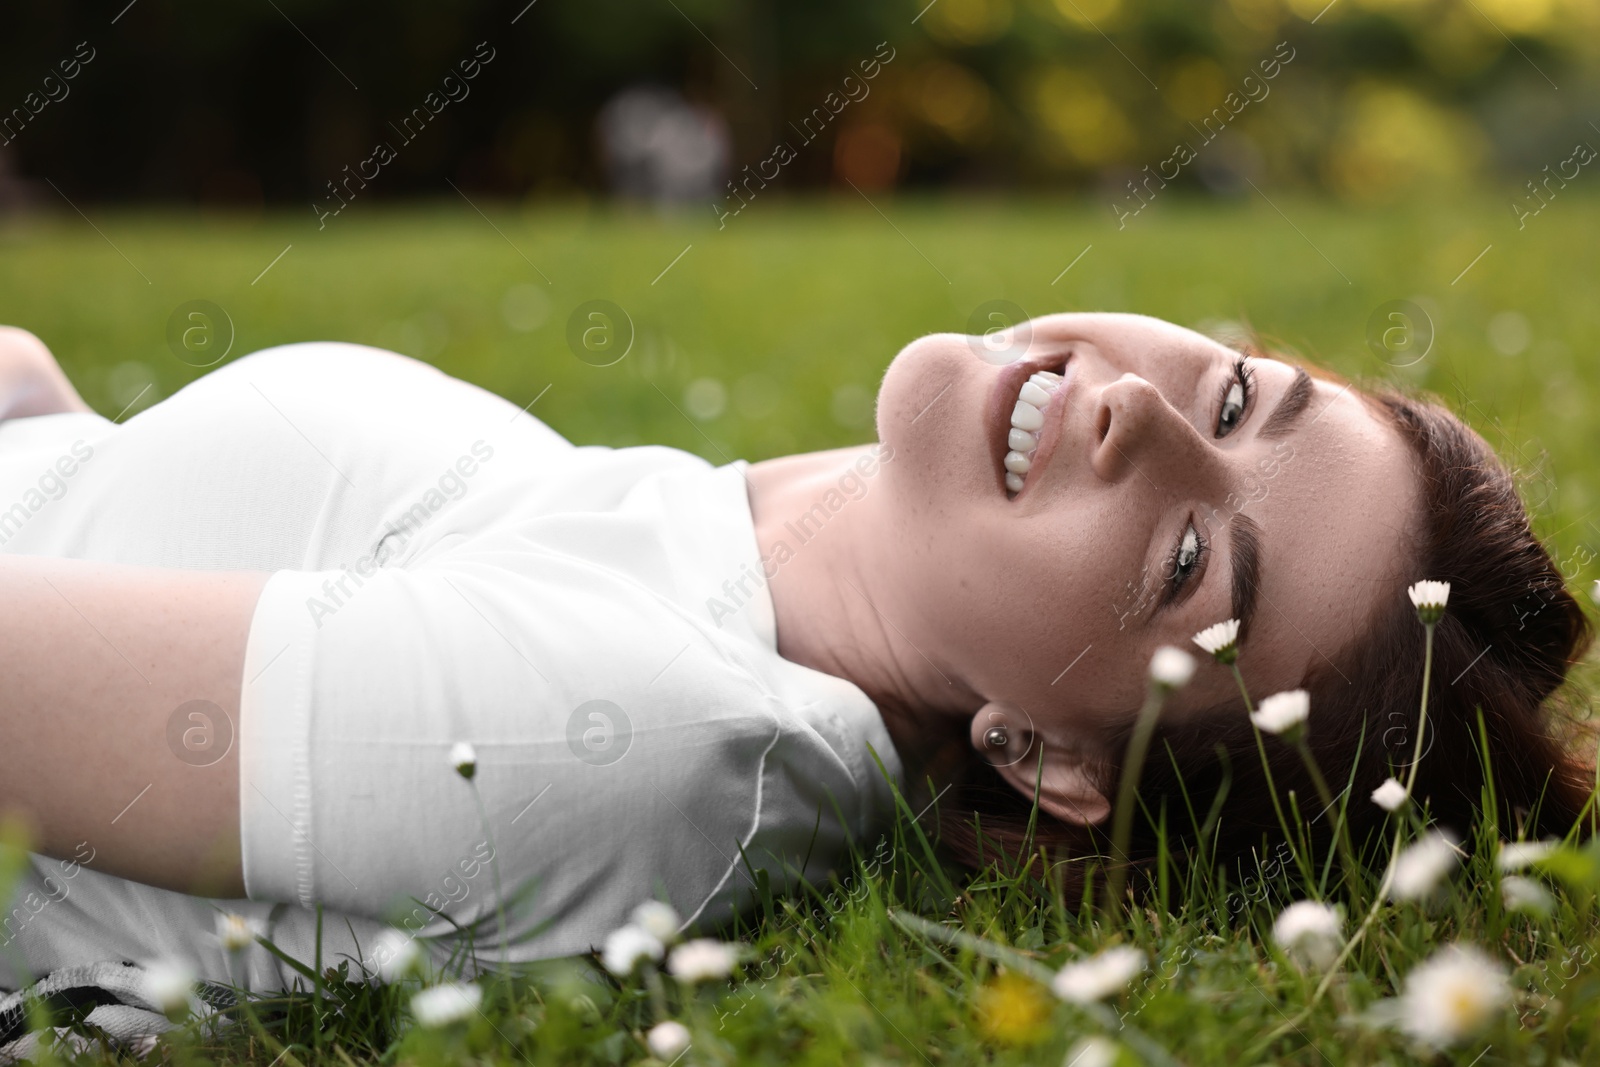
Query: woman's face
[[1134, 528]]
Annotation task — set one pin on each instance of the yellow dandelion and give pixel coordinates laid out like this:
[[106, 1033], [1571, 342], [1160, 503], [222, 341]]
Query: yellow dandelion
[[1013, 1009]]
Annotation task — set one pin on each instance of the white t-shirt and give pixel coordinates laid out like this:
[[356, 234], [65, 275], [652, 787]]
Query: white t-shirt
[[447, 568]]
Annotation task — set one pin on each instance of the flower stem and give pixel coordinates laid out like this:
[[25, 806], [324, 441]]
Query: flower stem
[[1127, 788], [494, 869], [1272, 788], [658, 993], [1422, 714], [1394, 849], [1341, 832]]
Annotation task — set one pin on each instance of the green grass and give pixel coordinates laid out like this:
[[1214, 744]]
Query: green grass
[[795, 309]]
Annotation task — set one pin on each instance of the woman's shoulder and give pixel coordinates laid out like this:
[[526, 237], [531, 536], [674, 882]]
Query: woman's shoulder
[[380, 404], [329, 359]]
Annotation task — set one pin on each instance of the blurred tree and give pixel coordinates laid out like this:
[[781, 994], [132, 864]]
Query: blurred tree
[[268, 102]]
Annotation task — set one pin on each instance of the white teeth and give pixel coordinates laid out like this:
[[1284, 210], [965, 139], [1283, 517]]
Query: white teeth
[[1022, 440], [1034, 394], [1026, 417]]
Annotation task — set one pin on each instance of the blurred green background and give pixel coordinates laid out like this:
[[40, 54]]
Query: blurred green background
[[770, 336], [1371, 151]]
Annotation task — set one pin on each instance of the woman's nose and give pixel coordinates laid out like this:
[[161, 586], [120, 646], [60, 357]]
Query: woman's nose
[[1143, 435]]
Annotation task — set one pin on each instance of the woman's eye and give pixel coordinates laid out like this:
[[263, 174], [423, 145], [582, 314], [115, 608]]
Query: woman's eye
[[1235, 398], [1183, 563], [1187, 560], [1232, 409]]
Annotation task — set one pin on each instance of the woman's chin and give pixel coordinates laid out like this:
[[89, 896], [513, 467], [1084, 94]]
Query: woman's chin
[[920, 385], [930, 411]]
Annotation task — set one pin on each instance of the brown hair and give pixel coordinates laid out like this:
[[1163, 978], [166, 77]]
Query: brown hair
[[1504, 647]]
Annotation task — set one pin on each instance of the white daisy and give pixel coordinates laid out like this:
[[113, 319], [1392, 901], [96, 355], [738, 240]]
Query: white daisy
[[1515, 855], [667, 1040], [464, 758], [1098, 977], [1093, 1051], [1430, 599], [442, 1005], [1524, 894], [658, 920], [626, 946], [394, 955], [1310, 933], [1390, 796], [1453, 995], [1282, 713], [235, 931], [702, 960], [169, 985], [1221, 640], [1171, 668], [1420, 866]]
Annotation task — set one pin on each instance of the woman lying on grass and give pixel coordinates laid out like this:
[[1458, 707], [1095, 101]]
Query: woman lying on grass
[[248, 627]]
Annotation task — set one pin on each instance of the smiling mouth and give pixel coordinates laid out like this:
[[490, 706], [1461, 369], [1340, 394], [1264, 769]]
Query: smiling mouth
[[1027, 420], [1025, 427]]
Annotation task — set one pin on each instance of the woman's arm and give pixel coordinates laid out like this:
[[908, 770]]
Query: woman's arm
[[95, 661], [31, 381]]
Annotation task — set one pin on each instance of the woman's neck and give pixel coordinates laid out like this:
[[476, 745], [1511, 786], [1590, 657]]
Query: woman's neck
[[833, 597]]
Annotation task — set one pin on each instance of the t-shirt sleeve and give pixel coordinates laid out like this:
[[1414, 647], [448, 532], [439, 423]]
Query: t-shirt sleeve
[[621, 750]]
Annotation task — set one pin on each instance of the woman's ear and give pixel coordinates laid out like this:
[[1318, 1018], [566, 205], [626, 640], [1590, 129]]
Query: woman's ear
[[1005, 736]]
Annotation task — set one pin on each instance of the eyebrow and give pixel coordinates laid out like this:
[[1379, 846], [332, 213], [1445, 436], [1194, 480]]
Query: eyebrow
[[1244, 552], [1293, 404], [1244, 533]]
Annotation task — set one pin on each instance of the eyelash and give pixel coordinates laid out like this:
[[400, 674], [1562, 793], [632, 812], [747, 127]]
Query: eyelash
[[1177, 577], [1244, 377]]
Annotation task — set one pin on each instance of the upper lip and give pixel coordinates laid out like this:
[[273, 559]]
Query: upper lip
[[1003, 398]]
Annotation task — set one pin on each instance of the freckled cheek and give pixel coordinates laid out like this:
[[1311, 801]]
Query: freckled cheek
[[1018, 608], [982, 604]]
